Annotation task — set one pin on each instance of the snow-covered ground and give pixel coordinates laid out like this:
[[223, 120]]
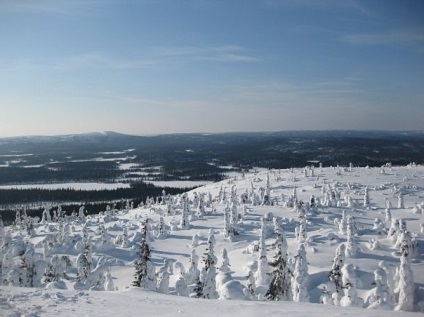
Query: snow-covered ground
[[178, 184], [75, 186], [337, 191]]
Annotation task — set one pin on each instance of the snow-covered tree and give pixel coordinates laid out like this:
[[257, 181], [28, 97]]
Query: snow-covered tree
[[351, 243], [401, 204], [185, 223], [343, 223], [280, 285], [300, 276], [349, 281], [83, 268], [228, 227], [108, 284], [261, 275], [300, 231], [405, 285], [181, 288], [193, 273], [266, 198], [162, 231], [144, 270], [394, 230], [336, 270], [194, 241], [379, 297], [234, 215], [225, 266], [209, 272], [163, 279], [388, 214], [251, 284], [366, 197]]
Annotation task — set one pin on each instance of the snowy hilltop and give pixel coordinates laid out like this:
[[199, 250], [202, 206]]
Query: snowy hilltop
[[310, 241]]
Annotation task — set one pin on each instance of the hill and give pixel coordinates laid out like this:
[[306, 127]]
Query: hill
[[349, 207]]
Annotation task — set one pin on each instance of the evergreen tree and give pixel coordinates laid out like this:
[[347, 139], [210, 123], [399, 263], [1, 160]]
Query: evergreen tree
[[209, 272], [405, 285], [225, 266], [141, 275], [83, 268], [185, 223], [336, 270], [280, 285], [351, 244], [349, 285], [163, 279], [261, 275], [300, 276], [379, 296]]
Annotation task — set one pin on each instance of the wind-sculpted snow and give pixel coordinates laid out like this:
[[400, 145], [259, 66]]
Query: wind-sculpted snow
[[312, 241]]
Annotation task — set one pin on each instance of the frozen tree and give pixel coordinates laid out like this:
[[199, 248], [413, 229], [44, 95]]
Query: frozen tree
[[300, 231], [280, 285], [83, 268], [300, 276], [209, 272], [200, 210], [261, 275], [163, 279], [405, 286], [225, 266], [194, 241], [228, 227], [185, 223], [349, 281], [181, 288], [351, 244], [28, 267], [81, 213], [326, 297], [46, 217], [144, 270], [108, 284], [343, 223], [266, 198], [251, 284], [234, 215], [162, 231], [193, 273], [366, 197], [379, 297], [336, 270], [379, 226], [401, 204], [394, 230], [388, 214]]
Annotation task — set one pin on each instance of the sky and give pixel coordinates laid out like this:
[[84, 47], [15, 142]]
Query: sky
[[181, 66]]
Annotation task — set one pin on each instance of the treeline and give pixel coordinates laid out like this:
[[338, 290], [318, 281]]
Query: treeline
[[37, 195], [25, 175]]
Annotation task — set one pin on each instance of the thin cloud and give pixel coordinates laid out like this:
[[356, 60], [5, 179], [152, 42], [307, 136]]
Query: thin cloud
[[225, 53], [98, 60], [390, 37], [64, 7]]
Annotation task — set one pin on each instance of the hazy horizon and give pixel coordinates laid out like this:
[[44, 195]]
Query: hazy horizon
[[146, 67], [212, 133]]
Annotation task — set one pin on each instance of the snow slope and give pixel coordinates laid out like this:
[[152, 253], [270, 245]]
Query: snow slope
[[323, 237]]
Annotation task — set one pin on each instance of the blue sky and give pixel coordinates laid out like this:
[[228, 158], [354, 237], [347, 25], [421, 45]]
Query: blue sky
[[167, 66]]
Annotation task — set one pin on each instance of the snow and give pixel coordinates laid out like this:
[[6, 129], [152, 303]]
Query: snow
[[76, 186], [69, 298], [179, 184]]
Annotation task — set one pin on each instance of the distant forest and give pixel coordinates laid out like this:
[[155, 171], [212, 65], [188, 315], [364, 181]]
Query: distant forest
[[112, 157], [95, 200]]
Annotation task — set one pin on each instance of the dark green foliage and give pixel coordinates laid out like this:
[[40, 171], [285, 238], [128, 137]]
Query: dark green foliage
[[141, 265], [280, 286]]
